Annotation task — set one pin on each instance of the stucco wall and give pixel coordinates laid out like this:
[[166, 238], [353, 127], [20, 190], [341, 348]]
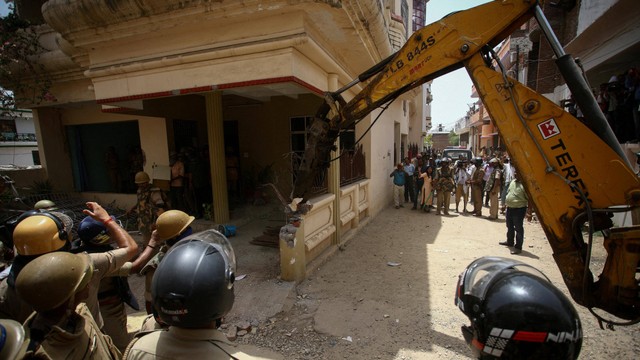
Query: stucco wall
[[380, 162], [591, 10], [153, 131]]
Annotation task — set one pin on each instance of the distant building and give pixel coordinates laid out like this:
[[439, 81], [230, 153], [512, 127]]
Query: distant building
[[440, 139], [18, 145]]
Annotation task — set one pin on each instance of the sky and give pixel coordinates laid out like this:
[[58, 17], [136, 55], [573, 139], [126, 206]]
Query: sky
[[4, 8], [451, 92]]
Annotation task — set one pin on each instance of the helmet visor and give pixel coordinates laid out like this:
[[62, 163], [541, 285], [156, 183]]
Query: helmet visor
[[222, 244], [477, 278]]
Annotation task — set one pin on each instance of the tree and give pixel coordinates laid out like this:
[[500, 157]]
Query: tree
[[23, 79], [428, 140], [454, 139]]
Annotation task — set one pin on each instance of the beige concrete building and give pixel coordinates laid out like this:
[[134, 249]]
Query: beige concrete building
[[235, 80]]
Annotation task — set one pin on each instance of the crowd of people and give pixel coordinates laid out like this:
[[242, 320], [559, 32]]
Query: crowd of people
[[429, 180], [64, 298], [619, 100]]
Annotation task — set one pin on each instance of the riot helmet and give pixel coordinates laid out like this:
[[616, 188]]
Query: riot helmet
[[11, 338], [193, 285], [45, 205], [92, 231], [42, 233], [50, 280], [142, 178], [172, 223], [477, 161], [516, 313]]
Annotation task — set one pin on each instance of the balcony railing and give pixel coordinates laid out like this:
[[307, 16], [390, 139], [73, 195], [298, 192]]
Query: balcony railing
[[12, 136]]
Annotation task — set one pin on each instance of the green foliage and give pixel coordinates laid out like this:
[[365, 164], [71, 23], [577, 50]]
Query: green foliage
[[428, 140], [22, 77], [454, 139]]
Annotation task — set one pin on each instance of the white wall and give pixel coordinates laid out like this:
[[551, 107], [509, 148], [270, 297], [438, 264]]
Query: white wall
[[591, 10], [17, 155], [25, 125]]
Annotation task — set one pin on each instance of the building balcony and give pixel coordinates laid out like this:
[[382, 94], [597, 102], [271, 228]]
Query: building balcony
[[17, 137]]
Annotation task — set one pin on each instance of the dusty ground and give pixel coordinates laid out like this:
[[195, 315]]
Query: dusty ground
[[356, 306]]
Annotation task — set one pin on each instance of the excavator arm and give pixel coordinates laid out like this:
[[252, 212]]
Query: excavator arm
[[575, 172]]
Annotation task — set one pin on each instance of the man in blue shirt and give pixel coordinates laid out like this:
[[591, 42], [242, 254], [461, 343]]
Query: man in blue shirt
[[399, 180]]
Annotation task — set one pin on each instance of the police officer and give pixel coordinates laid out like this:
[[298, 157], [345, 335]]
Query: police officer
[[192, 290], [47, 232], [476, 187], [171, 226], [55, 285], [493, 187], [516, 313], [45, 205], [444, 184], [34, 235], [147, 207], [113, 291]]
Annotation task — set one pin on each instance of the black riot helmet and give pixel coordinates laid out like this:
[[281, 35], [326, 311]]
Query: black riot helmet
[[516, 313], [477, 161], [193, 285]]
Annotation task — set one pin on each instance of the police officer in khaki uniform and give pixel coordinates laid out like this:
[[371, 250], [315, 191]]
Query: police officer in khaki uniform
[[113, 291], [476, 187], [46, 232], [494, 187], [444, 184], [110, 262], [192, 290], [34, 235], [61, 327], [171, 226]]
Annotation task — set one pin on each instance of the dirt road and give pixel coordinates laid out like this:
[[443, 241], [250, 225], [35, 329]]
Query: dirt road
[[389, 293]]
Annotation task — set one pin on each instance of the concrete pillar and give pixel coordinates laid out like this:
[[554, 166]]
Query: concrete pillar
[[215, 132], [333, 181], [293, 261]]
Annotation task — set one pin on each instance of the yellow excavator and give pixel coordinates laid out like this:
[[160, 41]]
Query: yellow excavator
[[575, 172]]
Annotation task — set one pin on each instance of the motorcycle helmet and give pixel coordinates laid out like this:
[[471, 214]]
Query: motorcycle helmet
[[516, 313], [193, 285]]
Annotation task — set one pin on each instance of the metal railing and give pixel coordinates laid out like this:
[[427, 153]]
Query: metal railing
[[13, 136]]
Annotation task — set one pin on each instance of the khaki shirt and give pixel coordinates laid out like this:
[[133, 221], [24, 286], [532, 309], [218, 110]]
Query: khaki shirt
[[85, 341], [11, 306], [104, 264], [189, 344]]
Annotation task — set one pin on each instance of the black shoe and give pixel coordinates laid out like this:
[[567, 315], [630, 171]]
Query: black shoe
[[506, 243], [414, 208], [516, 251]]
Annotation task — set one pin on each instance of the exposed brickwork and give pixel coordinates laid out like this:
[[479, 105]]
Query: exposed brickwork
[[545, 76], [440, 140]]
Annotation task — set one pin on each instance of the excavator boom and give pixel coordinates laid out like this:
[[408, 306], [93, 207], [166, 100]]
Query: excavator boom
[[575, 173]]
